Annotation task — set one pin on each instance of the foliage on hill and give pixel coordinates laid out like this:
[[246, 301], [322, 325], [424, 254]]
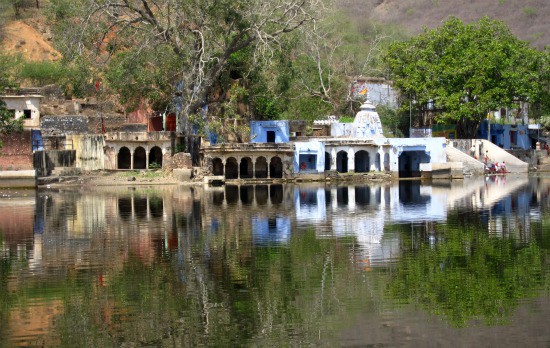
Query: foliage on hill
[[527, 19], [193, 60], [7, 123]]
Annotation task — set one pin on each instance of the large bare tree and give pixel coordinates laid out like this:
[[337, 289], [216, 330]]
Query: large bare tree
[[201, 34]]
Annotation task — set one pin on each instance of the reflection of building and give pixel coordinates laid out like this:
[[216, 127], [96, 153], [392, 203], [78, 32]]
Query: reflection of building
[[270, 230]]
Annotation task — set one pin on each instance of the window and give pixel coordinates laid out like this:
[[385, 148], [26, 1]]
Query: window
[[270, 136], [27, 114]]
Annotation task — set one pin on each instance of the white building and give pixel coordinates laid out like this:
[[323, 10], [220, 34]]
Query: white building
[[26, 106]]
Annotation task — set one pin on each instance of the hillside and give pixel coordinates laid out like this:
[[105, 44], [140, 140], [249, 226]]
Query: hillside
[[30, 34], [528, 19], [22, 38]]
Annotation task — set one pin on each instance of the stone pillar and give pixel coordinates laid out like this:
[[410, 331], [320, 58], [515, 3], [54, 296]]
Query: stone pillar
[[239, 167], [224, 162], [268, 160], [253, 167], [380, 154], [333, 159], [132, 159], [146, 159], [351, 160]]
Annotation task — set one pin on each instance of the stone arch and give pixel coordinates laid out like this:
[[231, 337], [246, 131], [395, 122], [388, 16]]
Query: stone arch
[[140, 158], [231, 168], [261, 168], [327, 161], [246, 168], [155, 156], [342, 161], [362, 161], [276, 167], [124, 160], [217, 166], [409, 163]]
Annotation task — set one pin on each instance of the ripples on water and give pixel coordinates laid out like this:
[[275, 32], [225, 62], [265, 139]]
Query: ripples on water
[[382, 264]]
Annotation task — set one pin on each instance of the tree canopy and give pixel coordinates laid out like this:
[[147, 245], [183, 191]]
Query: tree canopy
[[158, 49], [460, 72], [7, 122]]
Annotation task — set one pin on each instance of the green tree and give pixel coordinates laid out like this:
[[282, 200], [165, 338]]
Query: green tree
[[394, 122], [7, 122], [458, 73]]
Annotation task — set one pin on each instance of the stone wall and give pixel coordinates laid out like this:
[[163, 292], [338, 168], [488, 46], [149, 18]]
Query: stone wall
[[16, 154], [89, 151], [55, 125], [180, 160]]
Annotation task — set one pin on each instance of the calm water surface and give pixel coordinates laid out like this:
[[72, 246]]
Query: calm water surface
[[465, 263]]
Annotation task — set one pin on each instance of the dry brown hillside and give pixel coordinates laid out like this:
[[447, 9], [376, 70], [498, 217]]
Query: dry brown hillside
[[22, 38], [528, 19]]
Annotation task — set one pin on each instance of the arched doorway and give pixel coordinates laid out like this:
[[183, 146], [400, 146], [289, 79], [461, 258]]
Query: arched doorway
[[409, 163], [327, 161], [231, 168], [140, 158], [342, 161], [261, 168], [124, 160], [217, 166], [387, 162], [155, 158], [246, 169], [362, 161], [377, 162], [276, 168]]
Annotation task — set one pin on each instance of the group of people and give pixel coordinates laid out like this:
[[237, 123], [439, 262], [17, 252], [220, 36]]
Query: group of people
[[497, 167]]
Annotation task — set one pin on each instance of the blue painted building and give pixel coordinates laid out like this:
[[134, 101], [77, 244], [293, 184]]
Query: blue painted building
[[309, 156], [507, 136], [269, 131]]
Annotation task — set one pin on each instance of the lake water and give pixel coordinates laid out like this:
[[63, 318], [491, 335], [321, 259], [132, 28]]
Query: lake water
[[462, 263]]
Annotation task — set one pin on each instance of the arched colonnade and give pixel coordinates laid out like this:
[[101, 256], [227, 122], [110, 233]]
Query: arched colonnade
[[356, 159], [248, 167], [138, 157]]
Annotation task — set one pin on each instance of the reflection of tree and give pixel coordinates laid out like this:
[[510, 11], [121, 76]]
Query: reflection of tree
[[232, 295], [467, 274], [5, 295]]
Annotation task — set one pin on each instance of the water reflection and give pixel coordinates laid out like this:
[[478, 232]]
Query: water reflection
[[254, 264]]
